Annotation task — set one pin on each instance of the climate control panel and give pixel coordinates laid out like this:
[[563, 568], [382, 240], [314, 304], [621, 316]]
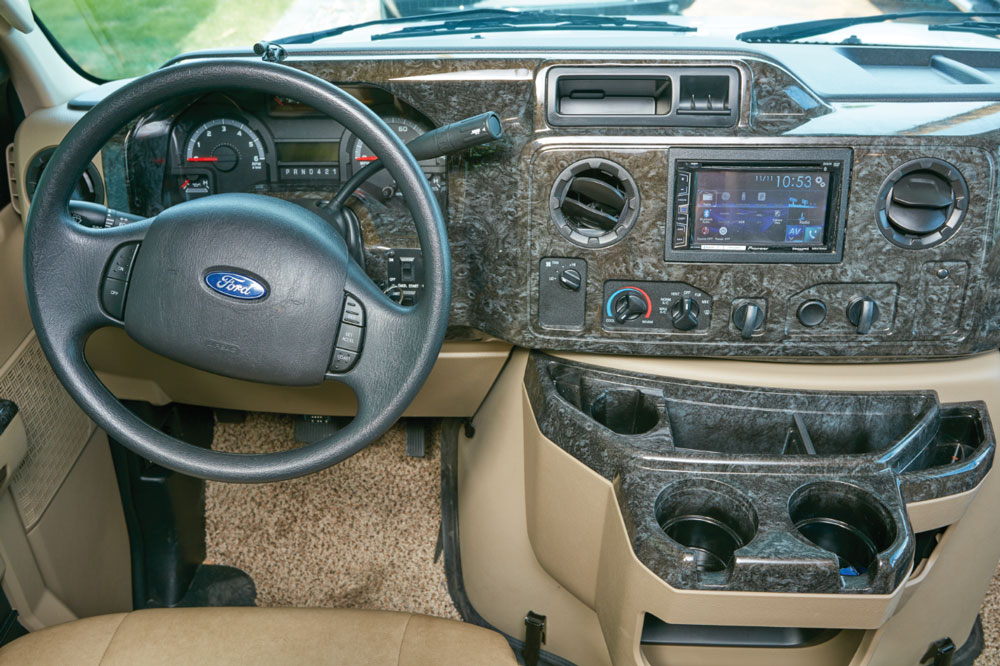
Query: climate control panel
[[660, 306]]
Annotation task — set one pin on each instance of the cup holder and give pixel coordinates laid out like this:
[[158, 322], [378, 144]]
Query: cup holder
[[625, 411], [846, 521], [710, 519]]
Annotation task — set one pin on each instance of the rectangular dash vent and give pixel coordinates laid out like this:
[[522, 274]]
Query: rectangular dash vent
[[643, 96]]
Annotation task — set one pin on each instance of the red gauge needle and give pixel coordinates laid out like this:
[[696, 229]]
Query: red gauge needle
[[203, 159], [366, 158], [185, 184]]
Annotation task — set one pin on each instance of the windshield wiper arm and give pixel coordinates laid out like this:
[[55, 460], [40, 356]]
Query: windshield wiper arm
[[532, 20], [789, 32], [978, 27], [310, 37]]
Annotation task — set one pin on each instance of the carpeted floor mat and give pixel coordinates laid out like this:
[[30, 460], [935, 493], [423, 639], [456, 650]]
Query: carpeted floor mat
[[991, 625], [361, 534]]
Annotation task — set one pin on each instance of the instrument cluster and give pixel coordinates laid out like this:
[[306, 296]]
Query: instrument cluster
[[234, 142]]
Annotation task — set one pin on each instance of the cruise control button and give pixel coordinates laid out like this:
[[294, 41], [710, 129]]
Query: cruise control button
[[353, 312], [349, 337], [113, 297], [121, 263], [342, 360]]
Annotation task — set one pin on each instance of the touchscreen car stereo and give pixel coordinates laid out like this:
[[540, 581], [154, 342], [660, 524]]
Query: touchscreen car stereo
[[767, 206]]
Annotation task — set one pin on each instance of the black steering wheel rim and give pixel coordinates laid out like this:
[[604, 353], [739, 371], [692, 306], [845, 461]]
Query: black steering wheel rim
[[63, 271]]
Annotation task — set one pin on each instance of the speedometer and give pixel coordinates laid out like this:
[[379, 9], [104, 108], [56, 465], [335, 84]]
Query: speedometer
[[227, 145], [382, 183]]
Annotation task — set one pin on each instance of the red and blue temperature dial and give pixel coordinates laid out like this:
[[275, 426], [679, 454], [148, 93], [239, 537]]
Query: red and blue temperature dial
[[629, 303]]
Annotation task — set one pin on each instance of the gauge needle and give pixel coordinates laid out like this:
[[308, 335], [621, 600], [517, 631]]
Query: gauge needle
[[366, 158], [203, 159]]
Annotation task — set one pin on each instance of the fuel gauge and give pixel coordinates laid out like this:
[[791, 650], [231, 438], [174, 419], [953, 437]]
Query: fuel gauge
[[194, 186]]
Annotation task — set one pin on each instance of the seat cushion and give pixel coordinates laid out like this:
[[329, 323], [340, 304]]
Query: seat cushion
[[258, 636]]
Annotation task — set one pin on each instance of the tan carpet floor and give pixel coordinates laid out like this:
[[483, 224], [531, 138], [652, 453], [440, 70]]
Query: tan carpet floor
[[361, 534], [991, 624], [358, 535]]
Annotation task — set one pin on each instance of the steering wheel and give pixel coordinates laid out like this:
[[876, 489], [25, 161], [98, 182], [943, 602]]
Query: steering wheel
[[242, 285]]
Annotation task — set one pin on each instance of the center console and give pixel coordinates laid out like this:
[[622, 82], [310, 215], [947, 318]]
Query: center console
[[830, 248]]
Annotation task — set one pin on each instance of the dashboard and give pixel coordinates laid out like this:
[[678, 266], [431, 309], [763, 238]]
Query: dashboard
[[668, 205]]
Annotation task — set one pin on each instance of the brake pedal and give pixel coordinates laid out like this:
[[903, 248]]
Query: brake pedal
[[416, 437]]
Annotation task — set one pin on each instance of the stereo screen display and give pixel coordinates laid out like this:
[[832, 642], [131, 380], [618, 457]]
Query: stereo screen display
[[739, 209]]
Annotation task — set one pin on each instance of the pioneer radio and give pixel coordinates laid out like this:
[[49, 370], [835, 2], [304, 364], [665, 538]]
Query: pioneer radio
[[757, 206]]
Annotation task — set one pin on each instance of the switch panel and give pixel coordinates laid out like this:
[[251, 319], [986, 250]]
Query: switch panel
[[562, 293], [662, 306], [404, 269]]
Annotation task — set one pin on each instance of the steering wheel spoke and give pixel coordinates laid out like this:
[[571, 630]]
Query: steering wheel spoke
[[89, 271], [378, 367]]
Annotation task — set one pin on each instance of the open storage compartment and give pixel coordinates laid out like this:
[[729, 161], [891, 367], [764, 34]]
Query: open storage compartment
[[643, 96], [727, 487]]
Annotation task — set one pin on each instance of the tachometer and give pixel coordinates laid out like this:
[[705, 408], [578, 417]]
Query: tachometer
[[227, 145]]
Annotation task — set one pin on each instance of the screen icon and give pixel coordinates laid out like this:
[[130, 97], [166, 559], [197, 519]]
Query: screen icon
[[762, 196], [813, 233], [794, 232]]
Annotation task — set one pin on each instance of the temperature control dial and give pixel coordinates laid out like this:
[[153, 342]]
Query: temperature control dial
[[628, 304]]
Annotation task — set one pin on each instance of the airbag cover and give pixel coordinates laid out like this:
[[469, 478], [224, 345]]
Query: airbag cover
[[242, 285]]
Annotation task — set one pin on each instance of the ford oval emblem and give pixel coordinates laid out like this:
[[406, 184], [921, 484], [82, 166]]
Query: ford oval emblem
[[235, 285]]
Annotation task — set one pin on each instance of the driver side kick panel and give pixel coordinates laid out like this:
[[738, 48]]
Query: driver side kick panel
[[507, 550]]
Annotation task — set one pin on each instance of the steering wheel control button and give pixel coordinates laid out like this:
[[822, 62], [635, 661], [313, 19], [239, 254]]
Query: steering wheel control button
[[343, 360], [812, 313], [113, 297], [353, 314], [121, 262], [349, 338]]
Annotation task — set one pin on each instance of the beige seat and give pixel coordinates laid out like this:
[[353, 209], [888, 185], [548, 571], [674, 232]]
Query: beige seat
[[257, 636]]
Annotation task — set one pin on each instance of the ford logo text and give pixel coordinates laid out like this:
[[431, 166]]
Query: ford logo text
[[235, 285]]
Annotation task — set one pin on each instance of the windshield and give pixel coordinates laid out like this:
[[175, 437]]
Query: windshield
[[112, 39]]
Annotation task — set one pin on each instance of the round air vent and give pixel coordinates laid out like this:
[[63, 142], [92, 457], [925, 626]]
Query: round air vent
[[922, 203], [90, 187], [594, 203]]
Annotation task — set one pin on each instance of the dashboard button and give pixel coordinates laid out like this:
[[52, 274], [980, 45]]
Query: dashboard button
[[113, 297], [812, 313], [349, 337]]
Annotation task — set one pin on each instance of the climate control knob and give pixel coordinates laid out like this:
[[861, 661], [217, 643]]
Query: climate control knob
[[628, 305], [684, 314], [862, 312]]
